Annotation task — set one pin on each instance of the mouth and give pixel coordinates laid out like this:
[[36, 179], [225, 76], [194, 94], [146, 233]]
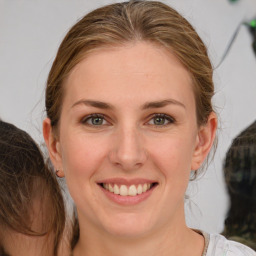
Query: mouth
[[131, 190]]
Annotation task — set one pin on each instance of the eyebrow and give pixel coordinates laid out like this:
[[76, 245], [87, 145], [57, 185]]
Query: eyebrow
[[93, 103], [162, 103], [147, 105]]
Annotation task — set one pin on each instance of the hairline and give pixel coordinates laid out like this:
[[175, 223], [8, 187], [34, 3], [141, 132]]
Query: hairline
[[110, 46]]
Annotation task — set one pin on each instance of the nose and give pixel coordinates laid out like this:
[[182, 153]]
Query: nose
[[128, 150]]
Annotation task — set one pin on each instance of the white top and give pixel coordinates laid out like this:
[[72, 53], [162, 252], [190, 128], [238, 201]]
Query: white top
[[218, 245]]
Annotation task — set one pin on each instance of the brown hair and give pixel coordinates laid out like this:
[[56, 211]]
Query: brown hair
[[24, 181], [128, 22], [121, 23]]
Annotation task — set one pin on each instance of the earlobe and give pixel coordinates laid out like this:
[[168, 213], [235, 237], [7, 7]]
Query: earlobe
[[52, 144], [205, 139], [59, 173]]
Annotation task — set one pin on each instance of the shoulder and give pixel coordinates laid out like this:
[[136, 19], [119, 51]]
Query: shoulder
[[220, 246]]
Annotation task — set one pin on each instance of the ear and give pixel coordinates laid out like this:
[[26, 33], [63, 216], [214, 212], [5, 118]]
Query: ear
[[53, 146], [204, 141]]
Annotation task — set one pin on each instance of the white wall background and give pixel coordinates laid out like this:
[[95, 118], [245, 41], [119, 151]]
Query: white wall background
[[30, 32]]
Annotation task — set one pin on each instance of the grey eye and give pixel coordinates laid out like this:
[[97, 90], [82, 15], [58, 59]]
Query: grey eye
[[160, 120], [96, 120]]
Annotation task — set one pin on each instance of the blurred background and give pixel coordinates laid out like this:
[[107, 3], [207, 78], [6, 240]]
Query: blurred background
[[31, 31]]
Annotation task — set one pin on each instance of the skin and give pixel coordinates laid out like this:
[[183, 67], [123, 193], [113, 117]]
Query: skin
[[131, 143]]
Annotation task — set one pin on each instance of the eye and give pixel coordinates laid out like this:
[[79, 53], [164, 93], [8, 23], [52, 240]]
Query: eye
[[94, 120], [161, 120]]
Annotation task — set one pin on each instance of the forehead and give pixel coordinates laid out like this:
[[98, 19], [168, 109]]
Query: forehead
[[134, 69]]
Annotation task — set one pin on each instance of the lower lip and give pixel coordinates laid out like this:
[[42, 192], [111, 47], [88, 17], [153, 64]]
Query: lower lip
[[127, 200]]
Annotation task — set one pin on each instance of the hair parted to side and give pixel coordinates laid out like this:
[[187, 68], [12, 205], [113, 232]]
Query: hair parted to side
[[25, 180]]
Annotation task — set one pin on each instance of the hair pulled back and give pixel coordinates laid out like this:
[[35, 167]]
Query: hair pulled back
[[131, 22]]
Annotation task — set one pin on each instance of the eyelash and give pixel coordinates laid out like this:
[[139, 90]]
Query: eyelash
[[170, 119], [90, 117]]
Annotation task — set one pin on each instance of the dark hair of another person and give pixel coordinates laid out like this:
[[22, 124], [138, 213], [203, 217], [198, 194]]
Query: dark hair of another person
[[240, 176], [24, 180]]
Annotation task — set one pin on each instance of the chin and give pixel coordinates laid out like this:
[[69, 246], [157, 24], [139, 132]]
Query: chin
[[128, 232], [128, 226]]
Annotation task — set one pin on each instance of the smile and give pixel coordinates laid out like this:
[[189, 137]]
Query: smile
[[127, 192], [124, 190]]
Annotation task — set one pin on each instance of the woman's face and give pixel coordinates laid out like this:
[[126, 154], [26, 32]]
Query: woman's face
[[128, 139]]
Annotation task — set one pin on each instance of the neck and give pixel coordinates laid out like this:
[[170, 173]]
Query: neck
[[174, 239]]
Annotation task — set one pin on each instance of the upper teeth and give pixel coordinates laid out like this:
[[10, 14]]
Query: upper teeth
[[124, 190]]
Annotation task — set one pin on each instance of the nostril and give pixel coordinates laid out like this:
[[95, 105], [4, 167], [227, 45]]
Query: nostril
[[127, 150]]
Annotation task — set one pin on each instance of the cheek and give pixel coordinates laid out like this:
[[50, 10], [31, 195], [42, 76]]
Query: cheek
[[81, 159], [82, 156], [173, 157]]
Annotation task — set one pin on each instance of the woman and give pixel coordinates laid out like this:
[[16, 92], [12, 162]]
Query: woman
[[129, 115], [32, 216]]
